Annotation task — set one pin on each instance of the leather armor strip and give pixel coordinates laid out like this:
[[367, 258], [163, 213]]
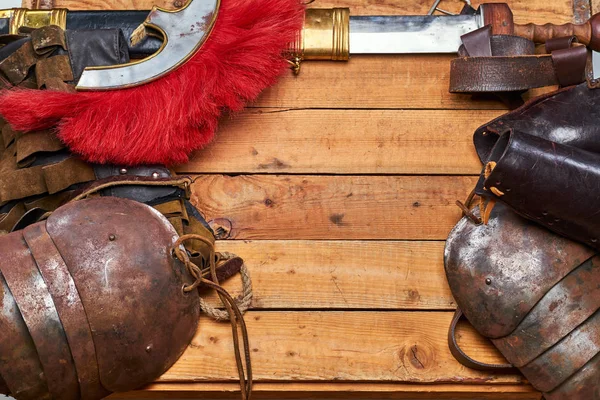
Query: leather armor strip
[[562, 309], [70, 309], [8, 220], [19, 365], [556, 365], [37, 308], [584, 385], [36, 142], [52, 178]]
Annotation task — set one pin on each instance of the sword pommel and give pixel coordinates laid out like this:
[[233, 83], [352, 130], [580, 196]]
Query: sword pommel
[[25, 18], [325, 36]]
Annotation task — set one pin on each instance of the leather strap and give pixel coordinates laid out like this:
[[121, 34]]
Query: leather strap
[[467, 361], [478, 43], [503, 63], [560, 43], [569, 65], [501, 74]]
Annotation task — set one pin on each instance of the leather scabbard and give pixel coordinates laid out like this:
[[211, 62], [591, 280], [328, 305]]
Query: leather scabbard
[[127, 21], [553, 184]]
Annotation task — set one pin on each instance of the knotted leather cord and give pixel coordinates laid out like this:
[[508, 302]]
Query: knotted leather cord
[[234, 312], [466, 208], [486, 207], [243, 301]]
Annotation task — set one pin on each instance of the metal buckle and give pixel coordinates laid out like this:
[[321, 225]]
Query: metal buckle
[[435, 8]]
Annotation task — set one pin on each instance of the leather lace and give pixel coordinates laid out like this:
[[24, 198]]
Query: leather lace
[[235, 315], [466, 208]]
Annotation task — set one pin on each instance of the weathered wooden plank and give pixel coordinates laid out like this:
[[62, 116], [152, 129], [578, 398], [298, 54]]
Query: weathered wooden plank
[[341, 390], [392, 81], [346, 346], [342, 274], [345, 142], [331, 207], [537, 11]]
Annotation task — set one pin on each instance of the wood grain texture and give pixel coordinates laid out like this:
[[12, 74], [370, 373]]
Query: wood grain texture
[[332, 207], [342, 304], [537, 11], [342, 274], [339, 346], [341, 390], [344, 142]]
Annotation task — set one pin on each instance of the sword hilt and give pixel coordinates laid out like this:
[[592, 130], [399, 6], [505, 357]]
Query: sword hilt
[[500, 17], [587, 33]]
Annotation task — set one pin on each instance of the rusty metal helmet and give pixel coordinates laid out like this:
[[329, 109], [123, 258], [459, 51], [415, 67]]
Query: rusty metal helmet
[[536, 295], [91, 302]]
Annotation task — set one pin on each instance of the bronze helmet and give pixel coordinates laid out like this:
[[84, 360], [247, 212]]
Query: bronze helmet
[[91, 303]]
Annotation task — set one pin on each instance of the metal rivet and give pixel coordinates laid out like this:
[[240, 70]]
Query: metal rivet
[[488, 281], [498, 183], [593, 240], [507, 190], [544, 213], [148, 348], [556, 219], [483, 133], [112, 237], [155, 175], [123, 171]]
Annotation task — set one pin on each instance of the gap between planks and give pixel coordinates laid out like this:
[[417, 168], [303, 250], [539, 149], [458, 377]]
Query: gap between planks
[[339, 390]]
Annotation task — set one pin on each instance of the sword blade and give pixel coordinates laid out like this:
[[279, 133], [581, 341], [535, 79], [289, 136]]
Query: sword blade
[[410, 34], [596, 64], [368, 34]]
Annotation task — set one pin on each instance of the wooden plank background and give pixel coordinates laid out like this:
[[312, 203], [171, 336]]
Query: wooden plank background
[[338, 187]]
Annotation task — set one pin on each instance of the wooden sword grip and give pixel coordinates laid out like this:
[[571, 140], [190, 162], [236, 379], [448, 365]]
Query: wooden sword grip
[[500, 17], [542, 33]]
